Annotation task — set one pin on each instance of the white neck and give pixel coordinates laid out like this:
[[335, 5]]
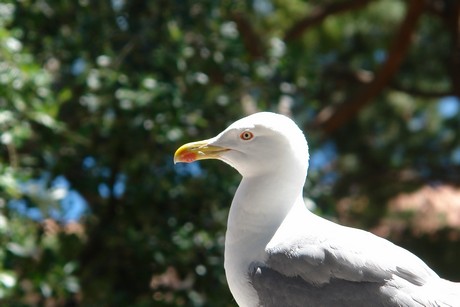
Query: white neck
[[254, 217]]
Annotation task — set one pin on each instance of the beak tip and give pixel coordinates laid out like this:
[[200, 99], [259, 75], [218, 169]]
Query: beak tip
[[177, 159], [184, 156]]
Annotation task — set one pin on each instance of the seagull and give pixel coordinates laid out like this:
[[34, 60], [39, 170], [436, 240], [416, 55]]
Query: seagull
[[278, 253]]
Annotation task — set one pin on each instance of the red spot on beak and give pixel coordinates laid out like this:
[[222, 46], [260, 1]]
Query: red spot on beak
[[188, 157]]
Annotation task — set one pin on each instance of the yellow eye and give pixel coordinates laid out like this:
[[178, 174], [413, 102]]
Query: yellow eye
[[246, 135]]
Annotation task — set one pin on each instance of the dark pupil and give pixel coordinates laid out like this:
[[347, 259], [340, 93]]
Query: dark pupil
[[246, 135]]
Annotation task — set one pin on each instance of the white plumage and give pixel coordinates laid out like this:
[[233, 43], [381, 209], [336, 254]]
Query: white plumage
[[278, 253]]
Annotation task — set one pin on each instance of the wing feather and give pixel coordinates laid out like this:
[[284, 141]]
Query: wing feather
[[345, 253]]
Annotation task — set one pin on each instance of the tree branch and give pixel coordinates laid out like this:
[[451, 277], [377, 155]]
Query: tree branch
[[331, 118], [251, 39], [364, 77], [453, 21], [318, 15], [419, 92]]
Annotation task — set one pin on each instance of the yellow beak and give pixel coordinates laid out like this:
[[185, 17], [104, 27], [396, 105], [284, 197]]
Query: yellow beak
[[200, 150]]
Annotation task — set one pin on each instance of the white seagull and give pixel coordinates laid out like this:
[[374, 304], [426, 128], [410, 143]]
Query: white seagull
[[278, 253]]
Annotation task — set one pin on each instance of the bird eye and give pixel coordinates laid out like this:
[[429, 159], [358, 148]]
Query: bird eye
[[246, 135]]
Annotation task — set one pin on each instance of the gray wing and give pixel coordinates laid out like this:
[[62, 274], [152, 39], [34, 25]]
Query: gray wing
[[334, 251], [341, 266], [275, 289]]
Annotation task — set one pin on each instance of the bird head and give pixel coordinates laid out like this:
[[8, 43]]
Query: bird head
[[253, 145]]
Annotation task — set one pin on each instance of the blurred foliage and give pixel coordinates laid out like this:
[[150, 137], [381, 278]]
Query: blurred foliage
[[99, 94]]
